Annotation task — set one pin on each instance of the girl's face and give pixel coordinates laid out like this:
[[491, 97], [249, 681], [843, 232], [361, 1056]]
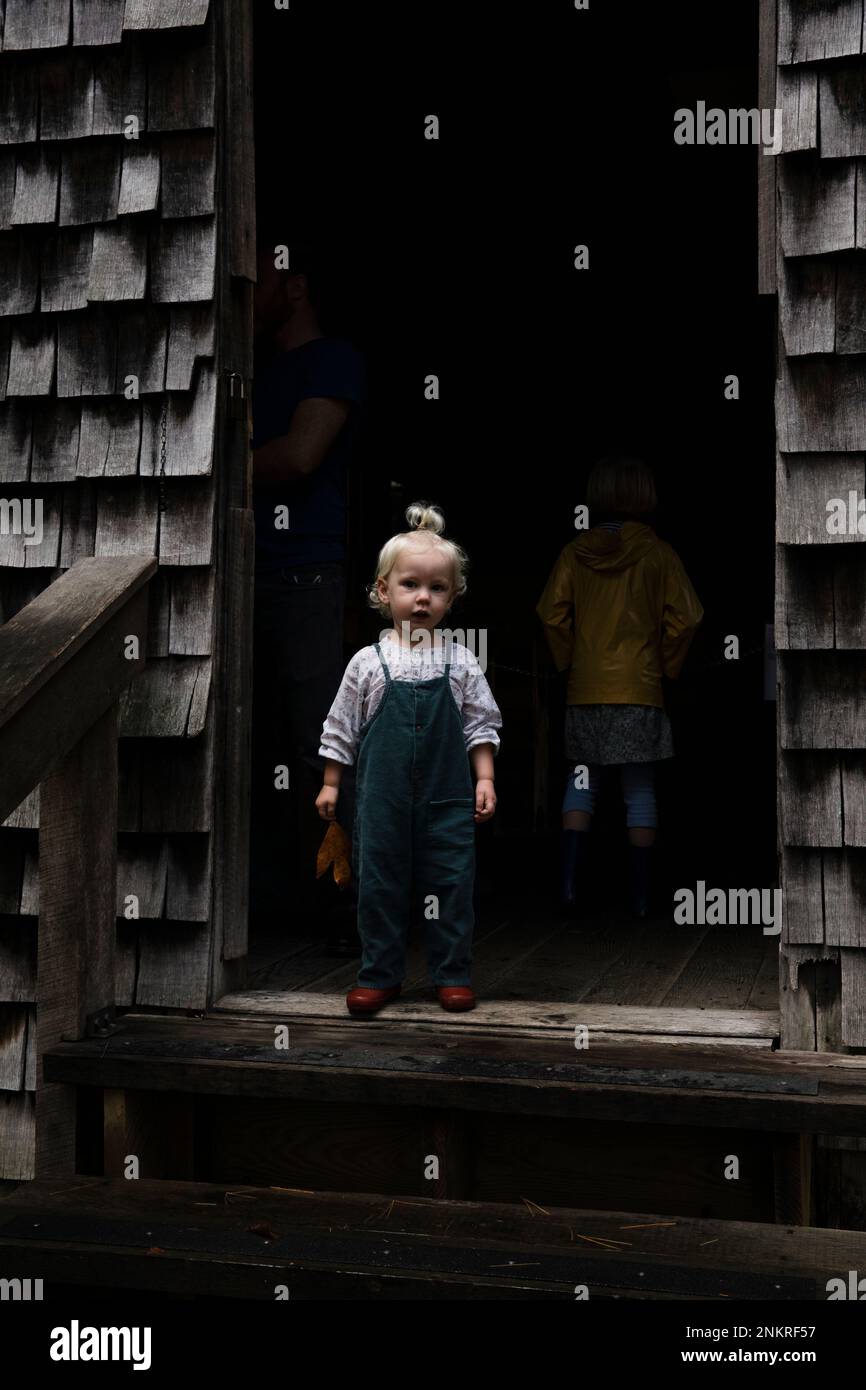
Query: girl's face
[[419, 588]]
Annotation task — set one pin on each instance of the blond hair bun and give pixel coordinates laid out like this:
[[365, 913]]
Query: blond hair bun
[[422, 516]]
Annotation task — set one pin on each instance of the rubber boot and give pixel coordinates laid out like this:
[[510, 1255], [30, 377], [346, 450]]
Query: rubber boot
[[640, 862], [574, 845]]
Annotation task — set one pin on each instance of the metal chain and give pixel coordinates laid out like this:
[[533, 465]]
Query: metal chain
[[162, 451]]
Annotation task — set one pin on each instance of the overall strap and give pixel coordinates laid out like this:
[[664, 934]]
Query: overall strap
[[384, 664]]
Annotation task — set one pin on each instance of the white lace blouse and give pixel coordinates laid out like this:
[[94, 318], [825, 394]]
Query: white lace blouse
[[363, 686]]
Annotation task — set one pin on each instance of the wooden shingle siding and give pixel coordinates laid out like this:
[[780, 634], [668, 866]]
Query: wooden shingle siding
[[810, 30], [824, 900], [807, 305], [164, 14], [805, 483], [18, 1133], [823, 699], [822, 305], [811, 801], [797, 98], [844, 918], [820, 599], [821, 405], [824, 799], [110, 270], [18, 962], [33, 24], [817, 202], [843, 113], [820, 629], [831, 102]]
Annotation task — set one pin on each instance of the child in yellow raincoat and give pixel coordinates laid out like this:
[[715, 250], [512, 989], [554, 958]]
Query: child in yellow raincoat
[[619, 613]]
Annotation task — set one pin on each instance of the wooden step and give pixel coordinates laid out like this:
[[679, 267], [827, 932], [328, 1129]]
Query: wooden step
[[245, 1242], [527, 1017], [418, 1065]]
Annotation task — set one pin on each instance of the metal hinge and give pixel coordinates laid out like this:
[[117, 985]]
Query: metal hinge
[[101, 1024]]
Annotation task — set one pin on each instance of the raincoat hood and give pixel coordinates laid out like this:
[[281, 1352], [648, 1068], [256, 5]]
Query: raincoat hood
[[614, 550]]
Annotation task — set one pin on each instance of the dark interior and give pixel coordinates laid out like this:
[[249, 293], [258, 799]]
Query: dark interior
[[455, 257]]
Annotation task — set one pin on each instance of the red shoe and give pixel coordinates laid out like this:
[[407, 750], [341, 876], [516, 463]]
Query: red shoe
[[369, 1001], [455, 998]]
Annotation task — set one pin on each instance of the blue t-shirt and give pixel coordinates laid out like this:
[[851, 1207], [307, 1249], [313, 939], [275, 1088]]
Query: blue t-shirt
[[317, 504]]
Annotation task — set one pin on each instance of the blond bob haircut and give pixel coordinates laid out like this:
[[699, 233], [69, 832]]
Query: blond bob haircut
[[621, 485], [427, 523]]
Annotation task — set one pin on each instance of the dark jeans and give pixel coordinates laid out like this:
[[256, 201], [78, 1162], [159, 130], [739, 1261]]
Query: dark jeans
[[297, 669]]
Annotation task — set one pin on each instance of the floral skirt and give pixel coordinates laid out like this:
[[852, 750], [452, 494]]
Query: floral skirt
[[606, 734]]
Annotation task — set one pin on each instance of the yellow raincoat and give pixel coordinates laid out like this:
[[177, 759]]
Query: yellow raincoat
[[619, 611]]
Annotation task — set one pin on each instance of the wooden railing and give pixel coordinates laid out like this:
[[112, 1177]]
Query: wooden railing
[[64, 661]]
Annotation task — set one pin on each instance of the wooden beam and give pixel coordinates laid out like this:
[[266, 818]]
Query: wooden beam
[[521, 1016], [330, 1244], [233, 785], [40, 639], [792, 1179], [766, 172], [235, 537], [63, 662], [77, 876], [723, 1088]]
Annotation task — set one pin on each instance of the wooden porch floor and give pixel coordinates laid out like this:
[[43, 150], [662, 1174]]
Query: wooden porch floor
[[535, 972]]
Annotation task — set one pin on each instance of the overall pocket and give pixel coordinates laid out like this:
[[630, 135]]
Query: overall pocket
[[448, 851]]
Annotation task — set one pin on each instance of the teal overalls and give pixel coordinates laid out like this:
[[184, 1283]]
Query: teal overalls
[[413, 847]]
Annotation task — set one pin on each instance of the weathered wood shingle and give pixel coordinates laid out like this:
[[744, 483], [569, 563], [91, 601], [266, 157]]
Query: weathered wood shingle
[[797, 98], [90, 182], [20, 106], [32, 24], [31, 358], [164, 14], [66, 95], [118, 268], [810, 31], [821, 405], [139, 179], [818, 204], [820, 598], [37, 175], [806, 484], [38, 24], [19, 273], [97, 21], [823, 699], [119, 90], [64, 269], [109, 440], [843, 112]]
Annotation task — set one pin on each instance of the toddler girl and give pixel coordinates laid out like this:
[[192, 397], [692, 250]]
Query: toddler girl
[[415, 710], [619, 612]]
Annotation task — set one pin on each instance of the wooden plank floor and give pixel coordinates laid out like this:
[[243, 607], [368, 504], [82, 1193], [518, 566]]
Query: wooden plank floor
[[536, 971]]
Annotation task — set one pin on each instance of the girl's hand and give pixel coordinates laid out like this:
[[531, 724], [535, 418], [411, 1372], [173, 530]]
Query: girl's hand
[[326, 802], [485, 799]]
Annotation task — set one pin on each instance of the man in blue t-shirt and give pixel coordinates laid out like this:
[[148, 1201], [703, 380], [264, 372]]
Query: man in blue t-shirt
[[307, 392]]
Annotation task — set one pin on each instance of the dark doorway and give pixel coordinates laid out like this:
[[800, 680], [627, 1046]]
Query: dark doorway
[[455, 257]]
